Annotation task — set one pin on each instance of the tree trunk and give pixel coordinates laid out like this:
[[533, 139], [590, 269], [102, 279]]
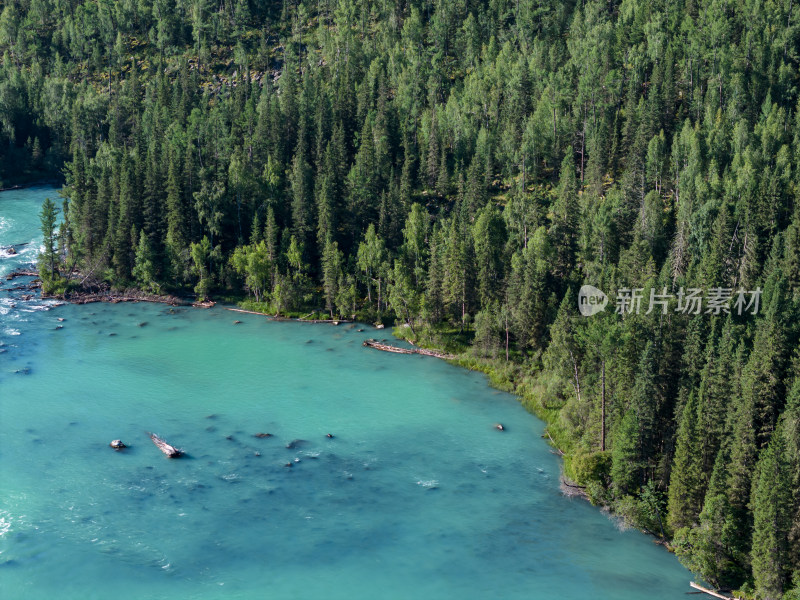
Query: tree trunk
[[506, 321], [603, 407], [577, 380]]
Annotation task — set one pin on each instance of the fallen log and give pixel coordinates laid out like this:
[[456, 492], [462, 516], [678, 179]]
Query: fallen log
[[710, 592], [21, 273], [388, 348], [169, 450], [249, 312], [331, 321], [87, 297], [560, 452], [29, 288]]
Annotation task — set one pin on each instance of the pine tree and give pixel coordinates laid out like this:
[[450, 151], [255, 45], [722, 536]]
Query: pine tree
[[489, 234], [771, 520], [331, 274], [459, 272], [144, 269], [625, 464], [790, 429], [762, 377], [685, 486], [48, 217], [123, 248], [176, 238], [433, 298], [742, 451], [709, 549], [527, 291], [302, 188], [564, 223]]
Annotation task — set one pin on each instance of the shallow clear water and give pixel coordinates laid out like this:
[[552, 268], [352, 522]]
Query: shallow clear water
[[417, 495]]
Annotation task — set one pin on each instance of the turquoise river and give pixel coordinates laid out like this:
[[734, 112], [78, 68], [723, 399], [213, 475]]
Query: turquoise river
[[417, 495]]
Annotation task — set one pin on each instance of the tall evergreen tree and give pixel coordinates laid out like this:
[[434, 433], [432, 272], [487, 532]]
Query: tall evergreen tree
[[771, 520]]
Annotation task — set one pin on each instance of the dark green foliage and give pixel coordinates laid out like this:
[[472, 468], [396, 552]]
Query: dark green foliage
[[465, 168], [49, 258], [771, 503]]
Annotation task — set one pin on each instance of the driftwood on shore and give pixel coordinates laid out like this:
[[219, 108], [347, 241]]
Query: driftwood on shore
[[388, 348], [114, 297], [571, 490], [169, 450], [27, 288], [558, 451], [331, 321], [249, 312], [22, 273], [710, 592], [280, 318]]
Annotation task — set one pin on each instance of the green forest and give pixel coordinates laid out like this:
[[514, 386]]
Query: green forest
[[461, 168]]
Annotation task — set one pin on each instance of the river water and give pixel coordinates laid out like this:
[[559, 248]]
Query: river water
[[416, 495]]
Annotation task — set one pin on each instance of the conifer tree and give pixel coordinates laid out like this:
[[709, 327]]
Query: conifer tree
[[564, 224], [48, 217], [144, 269], [686, 486], [331, 274], [771, 520]]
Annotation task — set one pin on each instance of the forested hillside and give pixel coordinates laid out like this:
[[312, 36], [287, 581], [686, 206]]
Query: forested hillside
[[464, 167]]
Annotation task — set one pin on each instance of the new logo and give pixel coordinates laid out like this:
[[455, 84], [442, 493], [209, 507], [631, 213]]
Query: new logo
[[591, 300]]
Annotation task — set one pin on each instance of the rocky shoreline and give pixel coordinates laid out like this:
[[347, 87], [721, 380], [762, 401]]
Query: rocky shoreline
[[97, 293], [113, 297]]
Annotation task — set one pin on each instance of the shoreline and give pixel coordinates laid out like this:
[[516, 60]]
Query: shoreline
[[495, 379], [461, 360], [566, 486], [23, 186]]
